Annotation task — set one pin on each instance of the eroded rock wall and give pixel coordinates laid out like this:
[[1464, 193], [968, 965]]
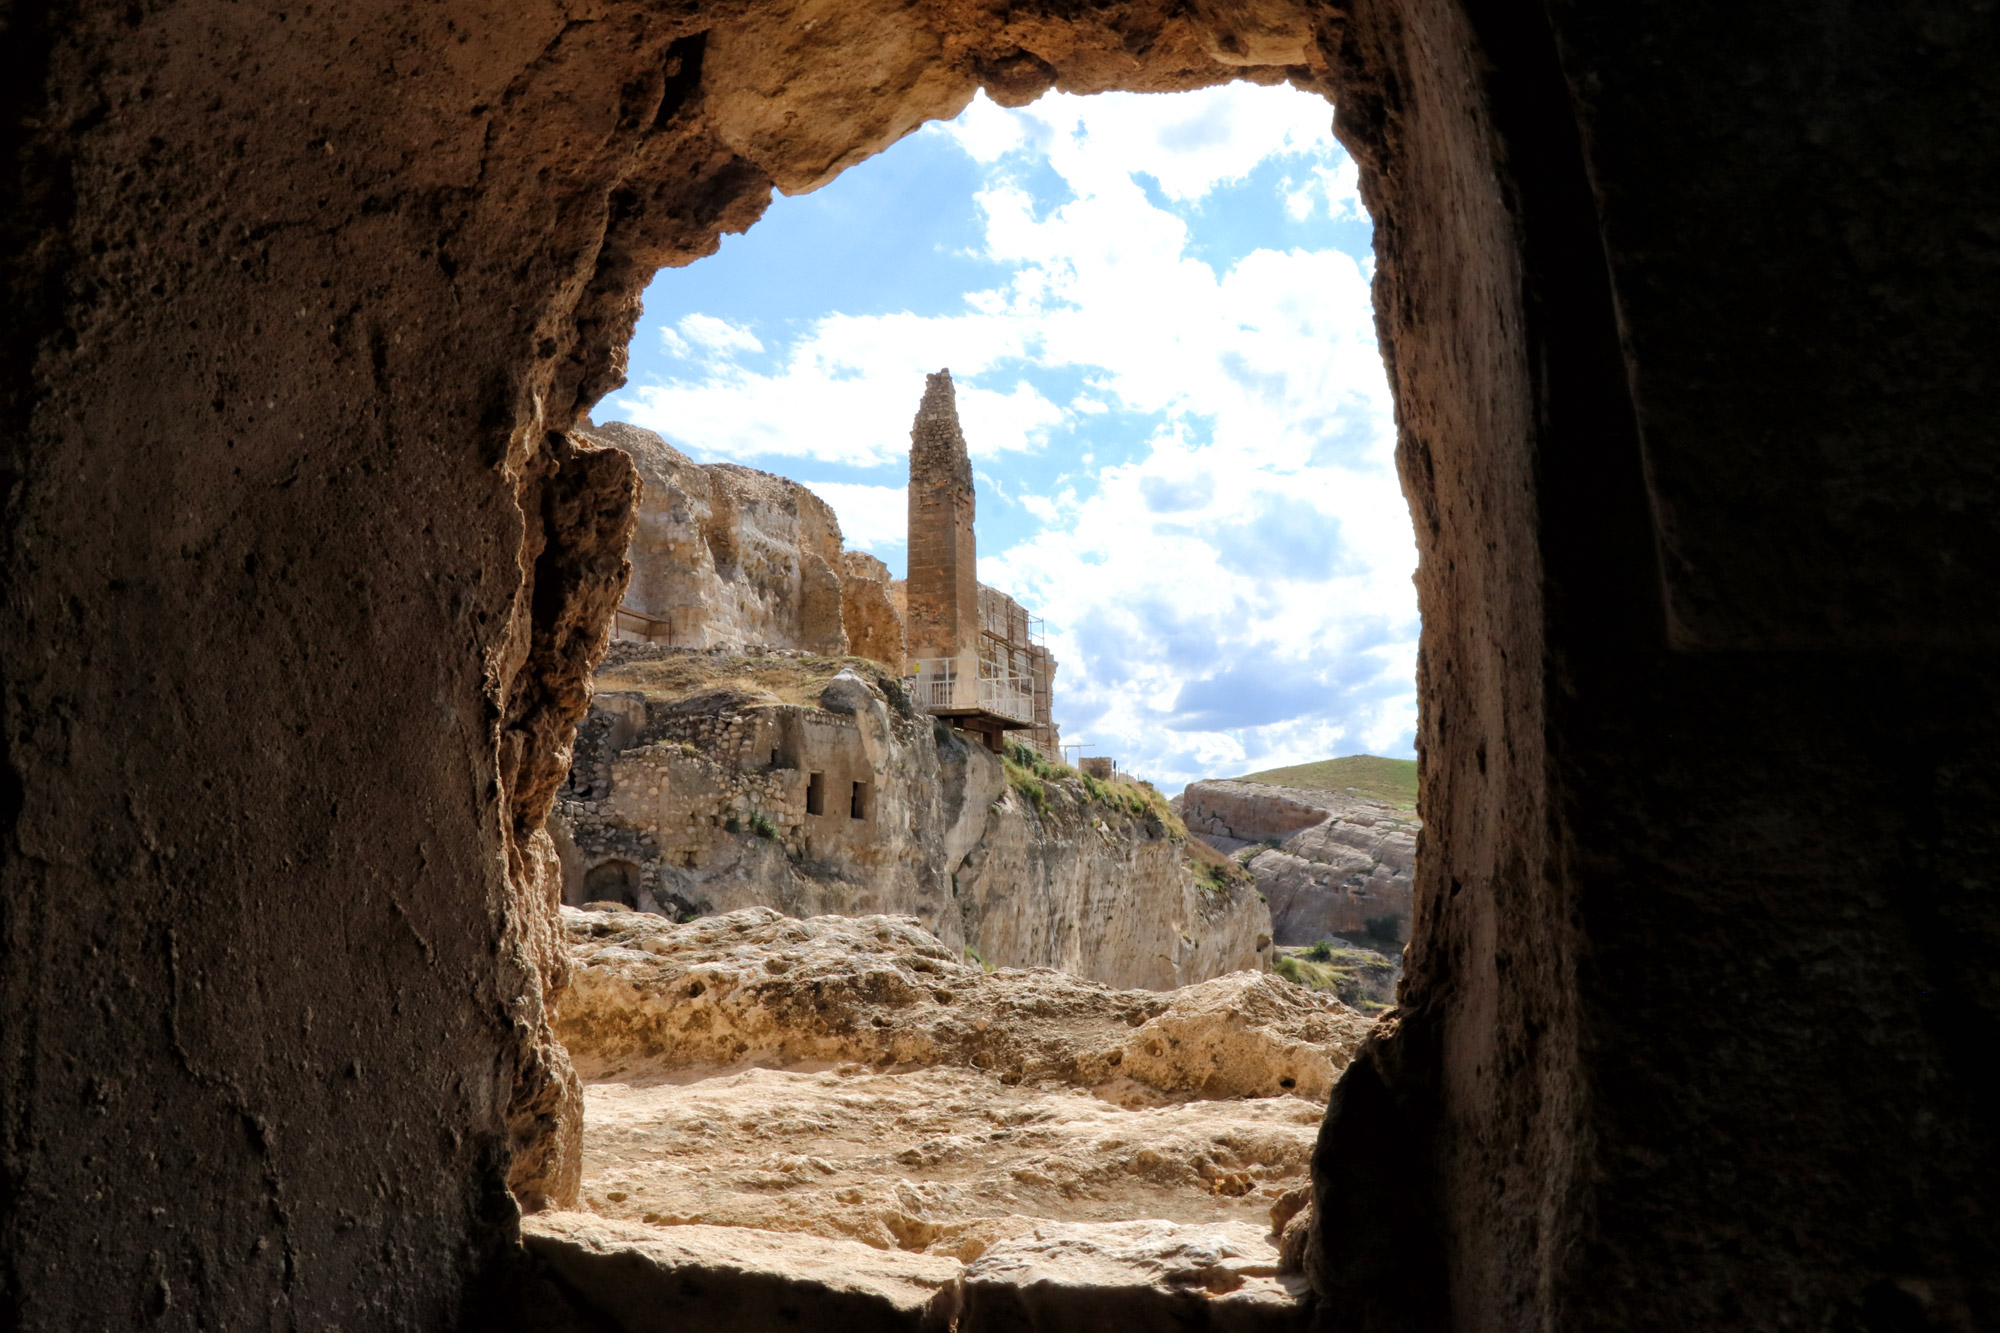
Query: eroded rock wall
[[857, 804], [1101, 894], [873, 620], [1334, 864], [724, 555]]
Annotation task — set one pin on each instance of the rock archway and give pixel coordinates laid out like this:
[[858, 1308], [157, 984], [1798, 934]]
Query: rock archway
[[303, 298]]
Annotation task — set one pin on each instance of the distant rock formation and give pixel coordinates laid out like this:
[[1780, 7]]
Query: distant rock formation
[[1337, 864], [727, 556], [708, 782]]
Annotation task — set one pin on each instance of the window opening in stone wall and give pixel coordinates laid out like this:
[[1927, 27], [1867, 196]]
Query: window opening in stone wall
[[1048, 434]]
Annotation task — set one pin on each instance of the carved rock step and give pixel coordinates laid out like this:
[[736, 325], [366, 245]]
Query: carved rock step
[[638, 1279], [1071, 1277]]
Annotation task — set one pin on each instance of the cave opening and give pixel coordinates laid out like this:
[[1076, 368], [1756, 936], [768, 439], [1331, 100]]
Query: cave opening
[[1697, 1000], [1157, 313]]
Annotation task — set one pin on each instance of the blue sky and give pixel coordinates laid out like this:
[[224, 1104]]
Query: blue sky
[[1156, 311]]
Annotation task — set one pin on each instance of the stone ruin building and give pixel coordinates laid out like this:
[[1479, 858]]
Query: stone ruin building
[[974, 650], [727, 557], [1687, 313]]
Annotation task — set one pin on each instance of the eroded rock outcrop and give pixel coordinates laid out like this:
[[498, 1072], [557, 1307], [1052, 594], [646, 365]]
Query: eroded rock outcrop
[[651, 996], [727, 555], [1336, 864], [709, 782], [852, 1084], [874, 622]]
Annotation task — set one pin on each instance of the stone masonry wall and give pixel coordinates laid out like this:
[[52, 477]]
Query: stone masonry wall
[[942, 593]]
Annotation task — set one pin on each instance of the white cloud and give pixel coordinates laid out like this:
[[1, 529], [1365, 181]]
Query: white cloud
[[1235, 596], [872, 518], [1189, 143], [718, 336]]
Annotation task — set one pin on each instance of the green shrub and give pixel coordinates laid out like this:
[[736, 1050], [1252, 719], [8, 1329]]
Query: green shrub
[[1022, 779], [1313, 976], [761, 825], [1320, 952], [732, 825]]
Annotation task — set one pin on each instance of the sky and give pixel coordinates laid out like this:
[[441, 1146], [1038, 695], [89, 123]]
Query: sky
[[1155, 308]]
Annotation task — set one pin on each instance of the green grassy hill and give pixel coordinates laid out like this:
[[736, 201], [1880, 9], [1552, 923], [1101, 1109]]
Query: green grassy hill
[[1391, 780]]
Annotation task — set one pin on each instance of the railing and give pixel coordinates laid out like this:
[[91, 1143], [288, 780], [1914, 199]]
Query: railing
[[639, 625], [935, 682], [941, 687]]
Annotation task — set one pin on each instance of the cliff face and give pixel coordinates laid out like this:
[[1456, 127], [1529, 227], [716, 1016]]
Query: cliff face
[[706, 783], [1100, 893], [727, 556], [1338, 864], [873, 619]]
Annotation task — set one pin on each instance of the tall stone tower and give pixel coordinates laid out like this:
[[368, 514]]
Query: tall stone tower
[[942, 619]]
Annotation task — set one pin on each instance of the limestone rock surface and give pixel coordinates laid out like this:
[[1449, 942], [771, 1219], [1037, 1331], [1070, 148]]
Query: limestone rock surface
[[1094, 1277], [657, 1278], [874, 622], [705, 783], [727, 555], [1336, 863], [785, 1110], [649, 997]]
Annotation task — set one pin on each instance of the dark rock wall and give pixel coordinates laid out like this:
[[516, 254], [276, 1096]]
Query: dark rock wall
[[1704, 946], [1683, 306]]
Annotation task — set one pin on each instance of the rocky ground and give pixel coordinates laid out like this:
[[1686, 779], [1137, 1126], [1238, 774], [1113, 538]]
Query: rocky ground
[[769, 1095]]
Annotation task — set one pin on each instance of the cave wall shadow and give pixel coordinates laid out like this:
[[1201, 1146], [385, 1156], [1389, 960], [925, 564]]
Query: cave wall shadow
[[1683, 313]]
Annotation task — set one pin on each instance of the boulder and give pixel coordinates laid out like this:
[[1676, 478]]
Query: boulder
[[848, 693]]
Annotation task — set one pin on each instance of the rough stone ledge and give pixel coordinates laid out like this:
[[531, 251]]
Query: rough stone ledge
[[1106, 1277]]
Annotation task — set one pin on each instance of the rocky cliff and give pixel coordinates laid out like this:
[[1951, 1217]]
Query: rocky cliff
[[1334, 864], [726, 556], [708, 782]]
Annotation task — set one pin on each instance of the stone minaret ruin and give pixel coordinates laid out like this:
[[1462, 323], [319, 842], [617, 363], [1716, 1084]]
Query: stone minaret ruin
[[942, 617]]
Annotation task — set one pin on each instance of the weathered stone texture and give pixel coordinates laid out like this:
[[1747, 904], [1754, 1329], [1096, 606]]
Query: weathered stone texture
[[871, 617], [643, 1278], [725, 556], [941, 594], [703, 804], [754, 987], [1337, 864]]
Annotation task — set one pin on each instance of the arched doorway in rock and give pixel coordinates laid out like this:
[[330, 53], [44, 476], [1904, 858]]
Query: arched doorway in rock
[[763, 98], [1260, 314], [612, 881]]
